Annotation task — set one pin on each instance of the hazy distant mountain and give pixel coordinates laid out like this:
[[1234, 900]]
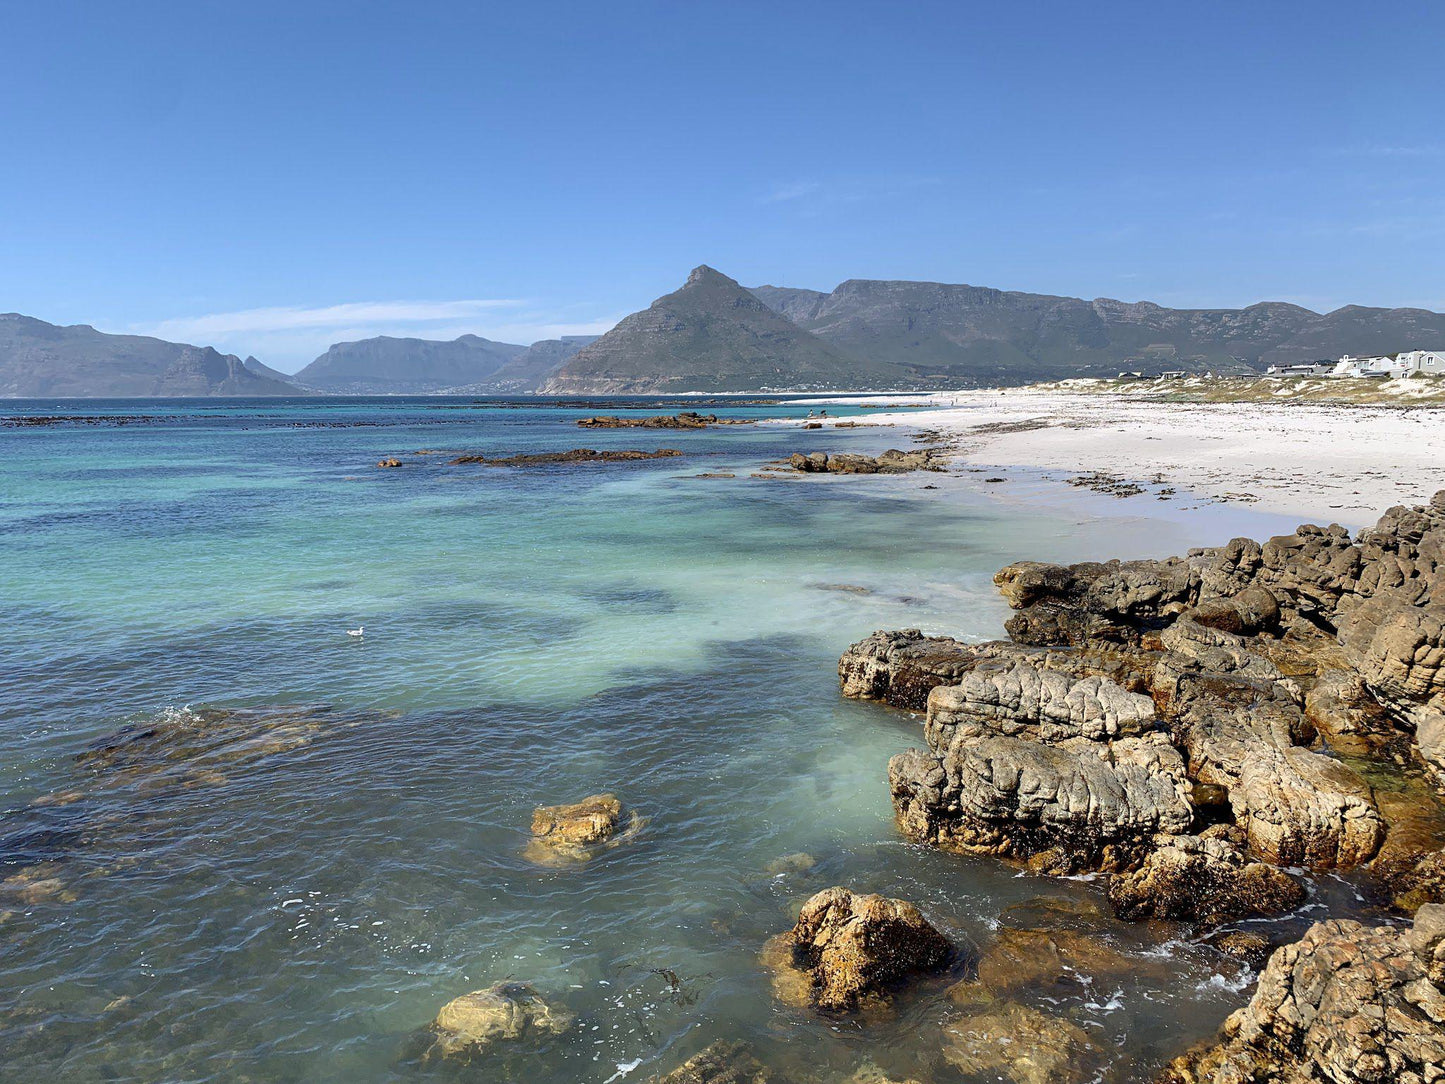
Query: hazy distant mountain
[[944, 333], [269, 373], [41, 360], [712, 335], [530, 369], [384, 365]]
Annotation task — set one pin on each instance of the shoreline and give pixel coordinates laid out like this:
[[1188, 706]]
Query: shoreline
[[1326, 462]]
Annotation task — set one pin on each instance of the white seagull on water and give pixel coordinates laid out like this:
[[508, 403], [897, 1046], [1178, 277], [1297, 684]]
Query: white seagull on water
[[356, 631]]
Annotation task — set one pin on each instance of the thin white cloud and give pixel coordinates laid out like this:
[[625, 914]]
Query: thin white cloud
[[813, 197], [783, 193], [288, 337], [354, 313]]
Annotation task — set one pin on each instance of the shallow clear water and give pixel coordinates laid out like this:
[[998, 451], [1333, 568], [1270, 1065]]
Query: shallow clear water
[[532, 636]]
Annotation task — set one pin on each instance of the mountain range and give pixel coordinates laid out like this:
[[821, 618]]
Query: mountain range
[[41, 360], [714, 335], [874, 334], [469, 364], [944, 332]]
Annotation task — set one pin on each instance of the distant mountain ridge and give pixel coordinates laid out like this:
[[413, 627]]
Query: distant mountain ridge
[[870, 334], [714, 335], [40, 360], [529, 369], [269, 373], [711, 334], [943, 333], [386, 365]]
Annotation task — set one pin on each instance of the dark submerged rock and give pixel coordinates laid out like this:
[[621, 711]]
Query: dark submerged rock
[[892, 461], [575, 455], [721, 1063]]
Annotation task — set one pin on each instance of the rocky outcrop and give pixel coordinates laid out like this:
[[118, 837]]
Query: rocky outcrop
[[1033, 764], [1015, 697], [1262, 662], [576, 455], [890, 462], [1297, 807], [851, 948], [469, 1025], [688, 419], [569, 834], [1347, 1003], [902, 668], [1398, 648], [1206, 879], [1060, 810]]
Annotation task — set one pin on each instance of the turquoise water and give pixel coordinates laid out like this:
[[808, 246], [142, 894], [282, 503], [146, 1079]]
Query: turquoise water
[[531, 636]]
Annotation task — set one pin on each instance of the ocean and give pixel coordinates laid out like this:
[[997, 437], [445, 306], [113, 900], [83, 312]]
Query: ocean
[[299, 908]]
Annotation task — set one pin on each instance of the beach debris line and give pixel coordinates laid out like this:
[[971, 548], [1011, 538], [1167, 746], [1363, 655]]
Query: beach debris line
[[1102, 482]]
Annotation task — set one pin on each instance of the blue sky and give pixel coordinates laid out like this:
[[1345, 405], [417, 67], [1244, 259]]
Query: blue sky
[[269, 178]]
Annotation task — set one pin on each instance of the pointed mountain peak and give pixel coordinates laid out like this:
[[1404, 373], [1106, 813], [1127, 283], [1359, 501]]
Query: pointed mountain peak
[[702, 275]]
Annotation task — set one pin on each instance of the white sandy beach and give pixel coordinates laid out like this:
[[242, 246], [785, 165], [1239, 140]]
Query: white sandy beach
[[1326, 463]]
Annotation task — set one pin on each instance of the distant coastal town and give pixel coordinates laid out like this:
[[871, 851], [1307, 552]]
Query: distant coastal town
[[1384, 366], [1407, 363]]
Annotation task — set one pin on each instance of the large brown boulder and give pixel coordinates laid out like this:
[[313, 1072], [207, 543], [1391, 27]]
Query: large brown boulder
[[855, 947], [1347, 1003], [1399, 649], [1112, 600]]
